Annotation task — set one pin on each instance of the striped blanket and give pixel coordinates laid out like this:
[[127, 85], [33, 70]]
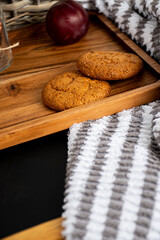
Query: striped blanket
[[112, 187], [113, 177]]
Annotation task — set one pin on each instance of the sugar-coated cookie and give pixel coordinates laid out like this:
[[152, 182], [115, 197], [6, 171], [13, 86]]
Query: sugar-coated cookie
[[109, 65], [72, 89]]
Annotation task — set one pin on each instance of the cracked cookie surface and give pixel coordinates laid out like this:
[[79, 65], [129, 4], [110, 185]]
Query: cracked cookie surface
[[109, 65], [72, 89]]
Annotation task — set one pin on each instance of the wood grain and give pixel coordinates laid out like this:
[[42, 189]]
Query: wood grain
[[50, 230], [37, 52], [23, 116]]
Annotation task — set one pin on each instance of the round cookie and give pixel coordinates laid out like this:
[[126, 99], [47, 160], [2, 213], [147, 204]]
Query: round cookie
[[109, 65], [72, 89]]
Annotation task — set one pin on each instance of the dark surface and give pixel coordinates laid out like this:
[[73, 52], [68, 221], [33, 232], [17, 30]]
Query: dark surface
[[32, 179]]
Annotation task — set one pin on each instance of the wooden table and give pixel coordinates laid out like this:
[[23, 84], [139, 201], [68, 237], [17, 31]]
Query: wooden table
[[24, 117]]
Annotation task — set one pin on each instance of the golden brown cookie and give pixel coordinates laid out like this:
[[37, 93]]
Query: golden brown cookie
[[109, 65], [72, 89]]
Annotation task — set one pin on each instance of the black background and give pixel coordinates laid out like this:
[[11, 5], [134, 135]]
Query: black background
[[32, 178]]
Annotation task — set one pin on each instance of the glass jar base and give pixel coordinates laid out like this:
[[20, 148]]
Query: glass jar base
[[4, 62]]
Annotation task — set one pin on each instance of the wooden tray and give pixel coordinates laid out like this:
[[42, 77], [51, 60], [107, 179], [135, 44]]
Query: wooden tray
[[23, 116]]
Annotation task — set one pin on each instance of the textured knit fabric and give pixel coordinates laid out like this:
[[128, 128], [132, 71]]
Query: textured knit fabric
[[113, 177], [139, 19]]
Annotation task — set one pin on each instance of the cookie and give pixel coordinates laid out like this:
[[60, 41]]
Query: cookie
[[109, 65], [72, 89]]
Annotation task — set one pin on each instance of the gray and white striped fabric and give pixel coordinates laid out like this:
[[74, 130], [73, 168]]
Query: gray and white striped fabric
[[139, 19], [113, 177]]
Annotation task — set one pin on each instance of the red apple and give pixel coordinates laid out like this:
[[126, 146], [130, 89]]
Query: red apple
[[66, 22]]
